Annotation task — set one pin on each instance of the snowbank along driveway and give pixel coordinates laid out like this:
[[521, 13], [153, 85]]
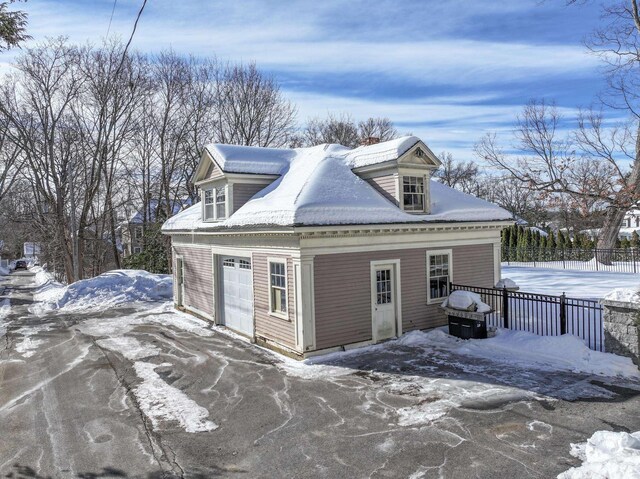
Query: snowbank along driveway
[[141, 391]]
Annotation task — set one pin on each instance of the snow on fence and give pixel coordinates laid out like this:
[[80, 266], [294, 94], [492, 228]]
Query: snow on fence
[[542, 314], [620, 260]]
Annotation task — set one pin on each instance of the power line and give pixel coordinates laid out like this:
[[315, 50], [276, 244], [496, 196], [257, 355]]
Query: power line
[[111, 19]]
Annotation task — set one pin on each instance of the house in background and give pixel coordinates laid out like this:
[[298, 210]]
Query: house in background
[[31, 250], [316, 249], [630, 223], [131, 231]]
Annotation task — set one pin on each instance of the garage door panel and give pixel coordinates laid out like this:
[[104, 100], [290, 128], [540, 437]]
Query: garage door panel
[[237, 294]]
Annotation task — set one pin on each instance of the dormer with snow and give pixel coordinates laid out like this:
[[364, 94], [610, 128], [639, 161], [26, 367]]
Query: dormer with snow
[[400, 170]]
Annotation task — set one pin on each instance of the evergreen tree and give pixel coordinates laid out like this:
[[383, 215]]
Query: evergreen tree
[[551, 241], [635, 239], [543, 241], [625, 243], [561, 240], [153, 258]]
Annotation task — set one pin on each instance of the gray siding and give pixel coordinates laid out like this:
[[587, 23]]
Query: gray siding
[[198, 278], [213, 172], [386, 186], [279, 330], [242, 192], [343, 290]]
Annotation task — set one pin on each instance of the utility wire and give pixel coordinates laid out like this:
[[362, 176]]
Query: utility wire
[[111, 19]]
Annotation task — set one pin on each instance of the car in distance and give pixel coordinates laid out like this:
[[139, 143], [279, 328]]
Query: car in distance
[[20, 264]]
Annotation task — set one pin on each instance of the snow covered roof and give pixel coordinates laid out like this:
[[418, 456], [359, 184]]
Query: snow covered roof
[[318, 187], [251, 159]]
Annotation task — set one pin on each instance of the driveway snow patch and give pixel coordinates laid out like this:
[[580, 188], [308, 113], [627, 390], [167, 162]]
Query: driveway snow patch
[[105, 291], [607, 454], [129, 347], [160, 401]]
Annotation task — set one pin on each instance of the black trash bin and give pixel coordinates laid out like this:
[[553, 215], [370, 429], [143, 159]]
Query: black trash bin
[[466, 324]]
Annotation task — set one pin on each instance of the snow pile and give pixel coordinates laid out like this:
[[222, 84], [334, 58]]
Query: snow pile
[[466, 301], [105, 291], [4, 271], [160, 401], [528, 350], [607, 455], [506, 283], [626, 295]]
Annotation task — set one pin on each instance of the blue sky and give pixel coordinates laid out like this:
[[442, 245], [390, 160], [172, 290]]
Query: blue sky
[[447, 71]]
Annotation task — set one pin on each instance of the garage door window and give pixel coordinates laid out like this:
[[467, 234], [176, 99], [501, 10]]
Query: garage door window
[[229, 263], [278, 288], [244, 264]]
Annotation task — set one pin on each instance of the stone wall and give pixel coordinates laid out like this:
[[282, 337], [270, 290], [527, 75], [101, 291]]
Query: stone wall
[[621, 329]]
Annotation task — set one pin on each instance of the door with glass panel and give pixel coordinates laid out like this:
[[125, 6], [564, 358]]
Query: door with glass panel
[[384, 300]]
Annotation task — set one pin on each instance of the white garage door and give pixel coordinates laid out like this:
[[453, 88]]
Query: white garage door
[[237, 294]]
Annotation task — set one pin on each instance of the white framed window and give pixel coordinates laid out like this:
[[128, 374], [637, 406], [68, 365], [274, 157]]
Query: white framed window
[[215, 204], [137, 250], [413, 193], [229, 263], [221, 203], [439, 275], [138, 232], [208, 204], [244, 264], [278, 288]]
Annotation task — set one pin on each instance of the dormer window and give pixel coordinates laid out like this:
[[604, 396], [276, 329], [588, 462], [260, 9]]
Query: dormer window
[[413, 194], [208, 204], [221, 203], [215, 204]]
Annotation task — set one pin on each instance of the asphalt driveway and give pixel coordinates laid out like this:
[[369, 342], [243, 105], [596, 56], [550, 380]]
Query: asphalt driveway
[[71, 405]]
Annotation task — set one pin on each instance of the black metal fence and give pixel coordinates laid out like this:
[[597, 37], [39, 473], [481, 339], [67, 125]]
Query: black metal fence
[[543, 314], [620, 260]]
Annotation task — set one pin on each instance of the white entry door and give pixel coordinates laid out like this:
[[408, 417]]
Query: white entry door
[[237, 294], [384, 300]]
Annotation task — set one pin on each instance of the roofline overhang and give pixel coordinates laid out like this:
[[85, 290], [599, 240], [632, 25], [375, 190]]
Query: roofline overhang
[[371, 228]]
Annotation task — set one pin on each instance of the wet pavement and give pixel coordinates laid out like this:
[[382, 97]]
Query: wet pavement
[[74, 405]]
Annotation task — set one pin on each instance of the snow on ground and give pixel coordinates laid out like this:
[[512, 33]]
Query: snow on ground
[[162, 402], [575, 284], [628, 295], [5, 309], [607, 454], [105, 291], [129, 347], [526, 349], [4, 271]]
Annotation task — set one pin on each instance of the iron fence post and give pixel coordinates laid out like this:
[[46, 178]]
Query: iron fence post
[[505, 307], [633, 260], [563, 313]]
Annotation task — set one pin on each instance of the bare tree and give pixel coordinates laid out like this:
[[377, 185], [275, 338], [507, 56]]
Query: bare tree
[[464, 176], [343, 130], [583, 166], [251, 110]]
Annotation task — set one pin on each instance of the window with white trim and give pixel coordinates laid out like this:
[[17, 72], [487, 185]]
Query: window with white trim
[[208, 204], [138, 232], [438, 275], [221, 203], [278, 287], [137, 250], [413, 193], [244, 264], [229, 263]]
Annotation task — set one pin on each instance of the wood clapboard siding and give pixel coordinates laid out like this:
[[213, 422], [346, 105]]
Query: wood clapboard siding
[[386, 186], [343, 290], [279, 330], [198, 278], [242, 192], [213, 172]]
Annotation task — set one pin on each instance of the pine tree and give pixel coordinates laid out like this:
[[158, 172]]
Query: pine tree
[[635, 239], [551, 241], [561, 240], [625, 243]]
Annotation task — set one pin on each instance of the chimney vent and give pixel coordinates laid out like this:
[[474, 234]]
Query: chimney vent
[[370, 140]]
